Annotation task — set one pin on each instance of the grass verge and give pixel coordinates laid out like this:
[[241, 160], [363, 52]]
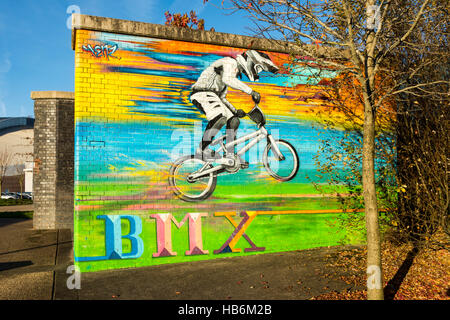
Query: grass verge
[[15, 202], [17, 214]]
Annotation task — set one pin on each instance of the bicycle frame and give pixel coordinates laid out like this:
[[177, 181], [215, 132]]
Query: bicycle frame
[[255, 137]]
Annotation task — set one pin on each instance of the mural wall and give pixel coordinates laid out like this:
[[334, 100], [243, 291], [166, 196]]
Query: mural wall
[[141, 199]]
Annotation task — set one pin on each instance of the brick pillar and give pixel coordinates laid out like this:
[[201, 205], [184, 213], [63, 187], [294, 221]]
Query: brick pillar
[[53, 159]]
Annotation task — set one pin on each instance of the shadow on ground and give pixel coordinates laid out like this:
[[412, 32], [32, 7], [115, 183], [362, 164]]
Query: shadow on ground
[[33, 265], [278, 276]]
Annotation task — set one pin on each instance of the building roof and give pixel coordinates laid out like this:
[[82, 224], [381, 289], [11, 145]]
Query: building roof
[[11, 124]]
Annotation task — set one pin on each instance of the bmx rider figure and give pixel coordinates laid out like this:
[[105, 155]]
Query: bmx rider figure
[[210, 90]]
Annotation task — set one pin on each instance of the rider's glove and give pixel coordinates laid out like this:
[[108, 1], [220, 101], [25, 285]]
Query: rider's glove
[[240, 113], [256, 97]]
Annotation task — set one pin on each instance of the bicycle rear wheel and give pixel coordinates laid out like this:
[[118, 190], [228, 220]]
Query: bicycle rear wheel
[[282, 170], [197, 190]]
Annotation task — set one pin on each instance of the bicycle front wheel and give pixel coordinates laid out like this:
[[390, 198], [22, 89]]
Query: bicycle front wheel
[[196, 190], [282, 170]]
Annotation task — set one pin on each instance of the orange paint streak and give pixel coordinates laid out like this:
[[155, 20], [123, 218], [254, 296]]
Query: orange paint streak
[[225, 213]]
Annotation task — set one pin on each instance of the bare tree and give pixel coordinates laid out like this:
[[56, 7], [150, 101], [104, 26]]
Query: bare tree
[[18, 166], [5, 160], [422, 131], [21, 158], [356, 38]]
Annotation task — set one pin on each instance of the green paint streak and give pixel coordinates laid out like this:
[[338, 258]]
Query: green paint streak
[[270, 188], [277, 233]]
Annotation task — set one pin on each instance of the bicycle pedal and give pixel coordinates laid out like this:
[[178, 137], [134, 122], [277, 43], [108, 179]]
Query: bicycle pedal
[[244, 165], [225, 161]]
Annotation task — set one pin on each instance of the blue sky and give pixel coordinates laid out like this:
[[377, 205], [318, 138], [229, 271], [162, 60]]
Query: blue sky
[[35, 43]]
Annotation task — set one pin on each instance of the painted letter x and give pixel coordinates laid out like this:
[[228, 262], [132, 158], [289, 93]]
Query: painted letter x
[[229, 245]]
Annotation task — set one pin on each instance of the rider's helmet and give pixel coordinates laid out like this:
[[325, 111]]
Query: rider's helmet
[[252, 62]]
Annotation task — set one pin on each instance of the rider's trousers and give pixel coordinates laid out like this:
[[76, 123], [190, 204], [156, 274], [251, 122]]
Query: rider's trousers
[[214, 126]]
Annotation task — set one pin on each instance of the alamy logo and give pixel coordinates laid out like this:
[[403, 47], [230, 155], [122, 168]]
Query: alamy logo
[[71, 10], [373, 277], [74, 280], [373, 17]]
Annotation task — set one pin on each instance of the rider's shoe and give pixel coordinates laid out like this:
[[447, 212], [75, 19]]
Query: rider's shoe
[[244, 164]]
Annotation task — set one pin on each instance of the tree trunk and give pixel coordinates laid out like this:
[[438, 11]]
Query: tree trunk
[[374, 271], [374, 268]]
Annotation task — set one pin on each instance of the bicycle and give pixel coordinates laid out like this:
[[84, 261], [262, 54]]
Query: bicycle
[[194, 179]]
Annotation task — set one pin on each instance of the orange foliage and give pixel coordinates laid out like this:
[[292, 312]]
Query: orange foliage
[[190, 21], [346, 95]]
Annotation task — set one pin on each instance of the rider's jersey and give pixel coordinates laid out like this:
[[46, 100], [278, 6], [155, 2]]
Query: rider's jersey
[[220, 75]]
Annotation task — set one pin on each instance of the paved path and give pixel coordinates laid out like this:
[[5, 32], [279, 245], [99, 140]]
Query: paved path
[[278, 276], [31, 261], [33, 265]]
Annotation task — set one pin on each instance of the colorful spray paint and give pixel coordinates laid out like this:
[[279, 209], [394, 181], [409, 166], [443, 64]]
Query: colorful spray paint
[[134, 118]]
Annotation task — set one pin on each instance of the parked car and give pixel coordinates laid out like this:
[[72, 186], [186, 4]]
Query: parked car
[[30, 194], [8, 195], [24, 195]]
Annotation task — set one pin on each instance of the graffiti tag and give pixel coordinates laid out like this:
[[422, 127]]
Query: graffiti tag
[[101, 50]]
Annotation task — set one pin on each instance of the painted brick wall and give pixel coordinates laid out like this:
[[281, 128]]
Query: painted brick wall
[[134, 119]]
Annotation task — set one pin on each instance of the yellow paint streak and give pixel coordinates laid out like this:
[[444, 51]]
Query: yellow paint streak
[[104, 96]]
